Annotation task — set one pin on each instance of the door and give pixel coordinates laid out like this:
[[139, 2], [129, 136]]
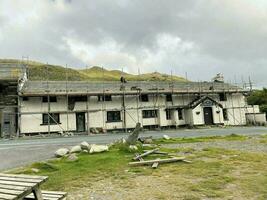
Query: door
[[80, 122], [208, 115]]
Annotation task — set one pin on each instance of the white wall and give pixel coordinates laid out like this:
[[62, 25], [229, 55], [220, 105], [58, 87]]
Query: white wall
[[31, 120]]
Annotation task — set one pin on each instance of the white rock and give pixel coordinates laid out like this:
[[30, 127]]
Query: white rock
[[35, 170], [98, 148], [61, 152], [85, 146], [76, 149], [133, 147], [166, 137]]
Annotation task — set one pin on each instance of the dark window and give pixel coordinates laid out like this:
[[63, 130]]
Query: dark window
[[168, 97], [144, 97], [149, 113], [113, 116], [51, 99], [222, 97], [104, 98], [225, 114], [168, 114], [180, 114], [78, 99], [52, 118], [25, 98]]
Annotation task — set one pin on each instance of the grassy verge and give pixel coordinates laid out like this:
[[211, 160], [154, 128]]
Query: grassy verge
[[213, 174], [232, 137]]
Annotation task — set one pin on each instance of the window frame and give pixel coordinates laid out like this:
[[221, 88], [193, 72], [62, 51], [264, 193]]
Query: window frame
[[104, 98], [180, 113], [225, 114], [53, 117], [222, 97], [168, 114], [51, 99], [147, 114], [112, 114], [169, 97], [144, 98]]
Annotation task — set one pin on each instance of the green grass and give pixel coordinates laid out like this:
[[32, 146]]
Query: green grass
[[41, 71], [232, 137], [213, 173]]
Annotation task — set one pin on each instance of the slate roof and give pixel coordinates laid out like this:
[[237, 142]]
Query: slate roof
[[39, 88]]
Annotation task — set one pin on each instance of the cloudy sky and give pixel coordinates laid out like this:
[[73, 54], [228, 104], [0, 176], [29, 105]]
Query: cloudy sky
[[200, 37]]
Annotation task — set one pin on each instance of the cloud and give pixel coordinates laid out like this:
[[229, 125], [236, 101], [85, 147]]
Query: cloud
[[200, 37]]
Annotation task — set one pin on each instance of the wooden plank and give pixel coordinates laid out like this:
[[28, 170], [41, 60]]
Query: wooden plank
[[38, 194], [23, 176], [12, 187], [50, 195], [27, 180], [155, 165], [12, 192], [18, 183], [8, 196], [145, 154], [149, 162]]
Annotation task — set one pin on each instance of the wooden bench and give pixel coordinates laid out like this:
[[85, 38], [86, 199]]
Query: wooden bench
[[49, 195], [18, 187]]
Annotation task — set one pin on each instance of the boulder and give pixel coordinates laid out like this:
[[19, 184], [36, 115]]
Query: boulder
[[132, 138], [166, 137], [61, 152], [148, 141], [133, 147], [98, 148], [85, 146], [76, 149], [72, 157]]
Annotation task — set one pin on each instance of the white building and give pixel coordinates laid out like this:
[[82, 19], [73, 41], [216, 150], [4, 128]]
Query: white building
[[58, 106]]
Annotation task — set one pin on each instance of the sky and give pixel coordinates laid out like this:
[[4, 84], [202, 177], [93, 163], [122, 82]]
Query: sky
[[199, 38]]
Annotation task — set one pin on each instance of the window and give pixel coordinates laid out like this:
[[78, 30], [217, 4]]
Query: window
[[144, 97], [168, 114], [25, 98], [104, 98], [168, 97], [222, 97], [78, 99], [225, 114], [149, 113], [113, 116], [51, 99], [180, 114], [52, 118]]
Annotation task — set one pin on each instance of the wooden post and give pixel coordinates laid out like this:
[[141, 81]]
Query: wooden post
[[37, 194]]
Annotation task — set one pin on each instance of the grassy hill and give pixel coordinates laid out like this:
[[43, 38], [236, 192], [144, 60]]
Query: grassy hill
[[41, 71]]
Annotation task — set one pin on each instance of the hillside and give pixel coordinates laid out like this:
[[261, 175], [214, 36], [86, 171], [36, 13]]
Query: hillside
[[41, 71]]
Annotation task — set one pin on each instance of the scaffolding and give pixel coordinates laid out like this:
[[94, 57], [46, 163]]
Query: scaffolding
[[188, 91]]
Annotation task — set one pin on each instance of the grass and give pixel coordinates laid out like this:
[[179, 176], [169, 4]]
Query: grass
[[232, 137], [41, 71], [214, 173]]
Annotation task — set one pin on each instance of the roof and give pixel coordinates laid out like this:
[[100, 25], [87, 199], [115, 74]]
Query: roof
[[41, 88], [203, 99]]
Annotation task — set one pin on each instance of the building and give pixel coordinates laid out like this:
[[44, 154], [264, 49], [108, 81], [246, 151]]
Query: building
[[58, 106], [33, 107]]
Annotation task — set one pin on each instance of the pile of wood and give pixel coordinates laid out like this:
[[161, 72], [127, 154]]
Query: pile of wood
[[139, 159]]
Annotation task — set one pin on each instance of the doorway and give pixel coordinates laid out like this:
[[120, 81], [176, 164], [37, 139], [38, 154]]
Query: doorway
[[208, 118], [80, 122]]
